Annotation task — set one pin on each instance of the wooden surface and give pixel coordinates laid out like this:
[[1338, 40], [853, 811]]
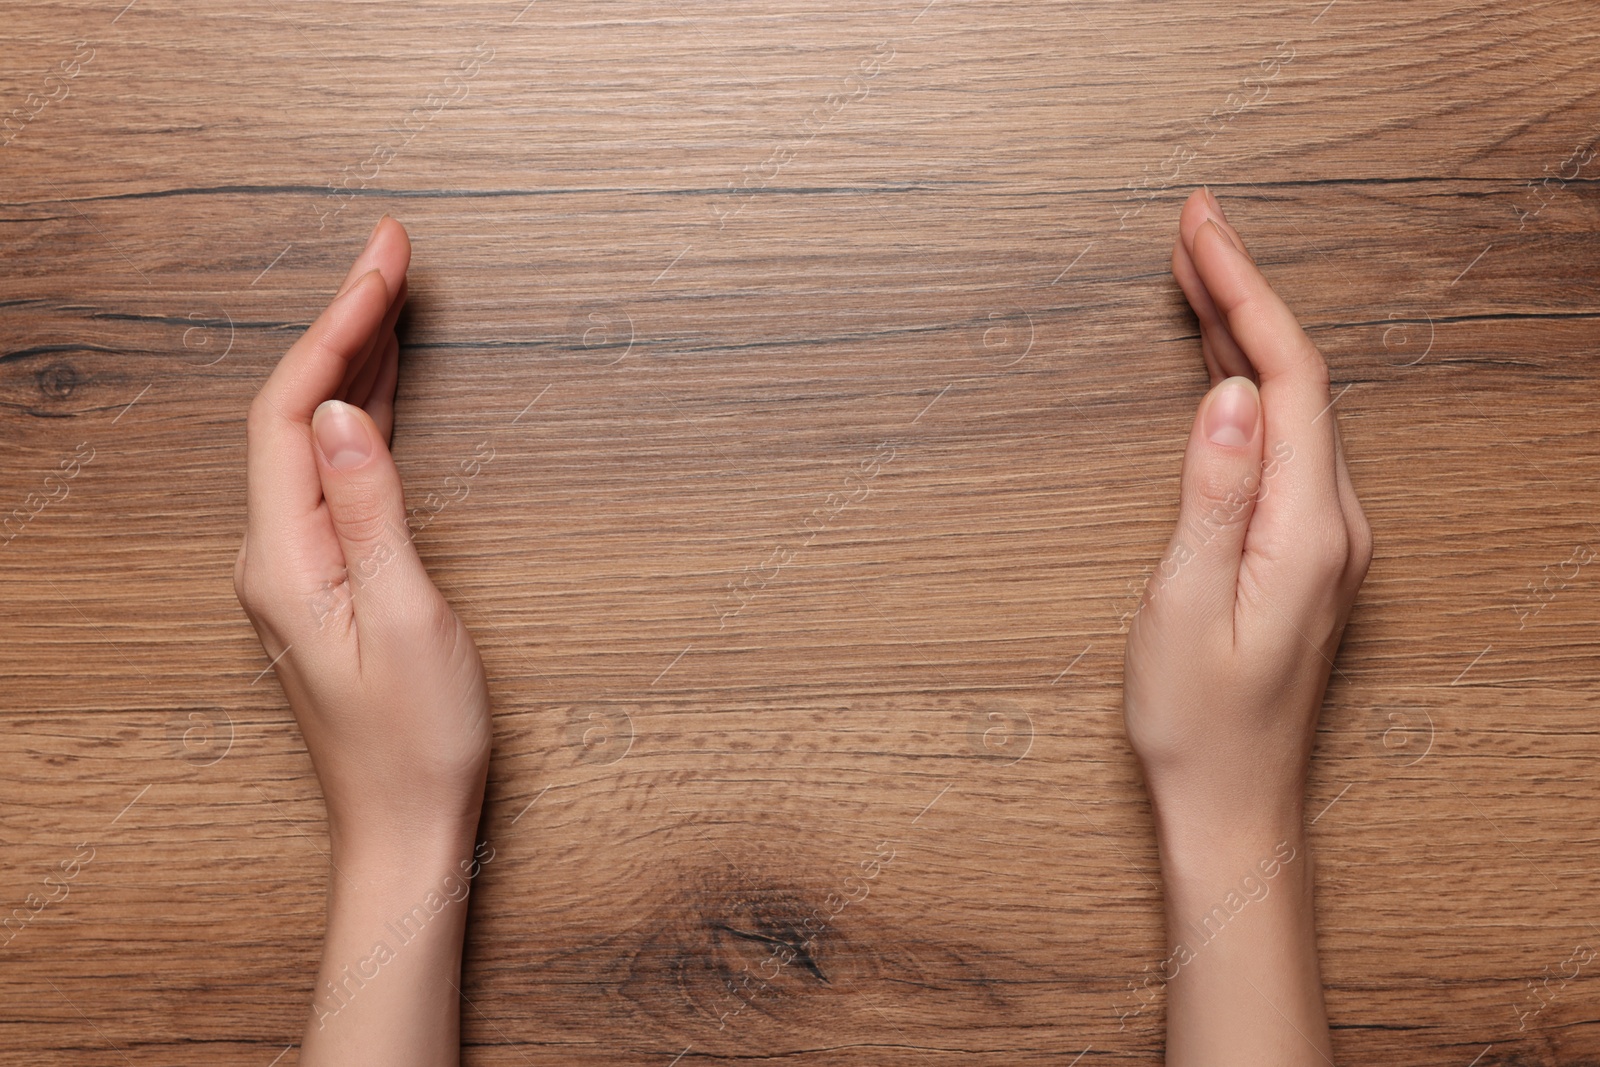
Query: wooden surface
[[865, 312]]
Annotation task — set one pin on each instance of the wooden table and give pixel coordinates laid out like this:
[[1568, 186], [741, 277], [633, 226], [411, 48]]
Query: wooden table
[[836, 387]]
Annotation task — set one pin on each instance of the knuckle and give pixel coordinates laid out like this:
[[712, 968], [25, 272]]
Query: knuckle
[[425, 622], [256, 591], [1315, 369], [1216, 496], [363, 515], [1327, 549], [1211, 485], [440, 622], [258, 416], [1361, 542]]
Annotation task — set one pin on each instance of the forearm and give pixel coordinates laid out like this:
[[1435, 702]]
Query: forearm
[[1244, 986], [387, 990]]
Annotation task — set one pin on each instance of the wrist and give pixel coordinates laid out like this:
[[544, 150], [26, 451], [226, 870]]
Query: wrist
[[422, 831], [414, 816], [402, 858], [1198, 815], [1244, 857], [420, 897]]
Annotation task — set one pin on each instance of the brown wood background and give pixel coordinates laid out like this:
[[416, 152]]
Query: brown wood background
[[724, 273]]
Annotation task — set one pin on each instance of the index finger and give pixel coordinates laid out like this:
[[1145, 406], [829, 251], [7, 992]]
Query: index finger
[[388, 249], [1295, 512], [283, 486]]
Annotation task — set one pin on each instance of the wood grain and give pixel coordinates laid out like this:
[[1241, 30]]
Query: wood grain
[[865, 312]]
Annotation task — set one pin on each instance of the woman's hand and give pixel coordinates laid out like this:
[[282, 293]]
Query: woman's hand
[[385, 682], [1229, 653], [1227, 660]]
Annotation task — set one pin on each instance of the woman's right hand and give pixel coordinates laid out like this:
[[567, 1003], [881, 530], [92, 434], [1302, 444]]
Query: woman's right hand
[[1229, 654], [1227, 661], [385, 682]]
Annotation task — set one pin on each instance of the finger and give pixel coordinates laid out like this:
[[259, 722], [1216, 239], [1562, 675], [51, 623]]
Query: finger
[[388, 250], [380, 401], [367, 505], [283, 487], [360, 385], [361, 388], [1213, 370], [1224, 351], [366, 369], [1297, 520], [1207, 351], [1202, 205], [1355, 520], [1221, 477]]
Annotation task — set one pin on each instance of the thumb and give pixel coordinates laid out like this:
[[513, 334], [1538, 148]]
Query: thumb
[[367, 506], [1221, 480]]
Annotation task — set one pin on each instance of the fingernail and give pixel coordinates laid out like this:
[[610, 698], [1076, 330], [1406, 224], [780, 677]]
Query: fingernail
[[1224, 233], [340, 435], [1216, 208], [1231, 413], [356, 282]]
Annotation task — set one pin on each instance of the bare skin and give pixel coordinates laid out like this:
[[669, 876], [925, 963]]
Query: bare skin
[[385, 682], [1226, 665], [1227, 662]]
